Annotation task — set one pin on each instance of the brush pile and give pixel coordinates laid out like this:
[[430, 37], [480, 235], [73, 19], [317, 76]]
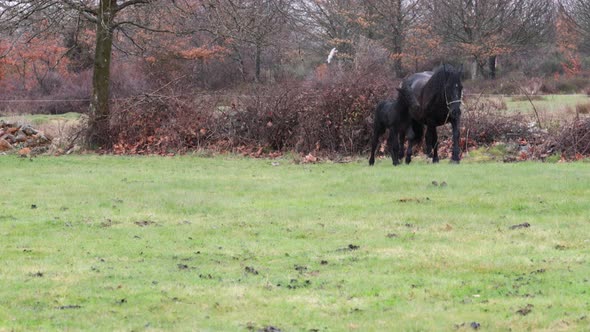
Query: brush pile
[[15, 136], [573, 140]]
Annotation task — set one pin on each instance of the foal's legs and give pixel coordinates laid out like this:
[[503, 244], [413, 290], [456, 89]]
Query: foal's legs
[[415, 132], [378, 130]]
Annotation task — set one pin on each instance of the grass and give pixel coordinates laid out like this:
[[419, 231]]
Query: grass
[[224, 243], [42, 119], [549, 103]]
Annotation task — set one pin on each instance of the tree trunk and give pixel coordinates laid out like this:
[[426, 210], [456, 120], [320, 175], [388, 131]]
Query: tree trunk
[[258, 61], [240, 62], [98, 127], [398, 39], [492, 66], [481, 69]]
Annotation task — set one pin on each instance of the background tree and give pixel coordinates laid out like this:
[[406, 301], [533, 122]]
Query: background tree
[[486, 29], [246, 25], [579, 12], [567, 43], [332, 24], [393, 22], [107, 17]]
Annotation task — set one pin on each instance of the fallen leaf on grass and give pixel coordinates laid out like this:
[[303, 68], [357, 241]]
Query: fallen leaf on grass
[[310, 159]]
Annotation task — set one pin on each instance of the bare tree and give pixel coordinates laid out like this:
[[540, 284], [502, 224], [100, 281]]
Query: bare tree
[[393, 19], [246, 24], [107, 16], [579, 11], [332, 24], [486, 29]]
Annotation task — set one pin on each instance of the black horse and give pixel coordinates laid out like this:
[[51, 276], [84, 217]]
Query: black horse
[[438, 95], [394, 115]]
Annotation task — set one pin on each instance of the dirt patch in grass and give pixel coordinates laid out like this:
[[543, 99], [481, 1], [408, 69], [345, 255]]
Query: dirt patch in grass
[[145, 223], [523, 225], [525, 310]]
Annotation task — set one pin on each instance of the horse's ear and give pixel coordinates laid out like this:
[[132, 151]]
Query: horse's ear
[[461, 69]]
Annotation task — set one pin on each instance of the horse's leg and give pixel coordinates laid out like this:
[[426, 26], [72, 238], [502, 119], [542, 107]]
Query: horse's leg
[[415, 132], [456, 151], [409, 152], [402, 140], [431, 132], [429, 141], [393, 143], [378, 130]]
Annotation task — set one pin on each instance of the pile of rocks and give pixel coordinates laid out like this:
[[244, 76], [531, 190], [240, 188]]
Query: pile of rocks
[[15, 136]]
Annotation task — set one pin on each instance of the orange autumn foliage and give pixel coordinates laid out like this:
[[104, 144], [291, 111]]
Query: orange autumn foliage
[[568, 40], [421, 45], [29, 62], [203, 53]]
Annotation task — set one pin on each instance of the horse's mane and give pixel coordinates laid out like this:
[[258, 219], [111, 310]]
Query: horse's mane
[[436, 84], [441, 74]]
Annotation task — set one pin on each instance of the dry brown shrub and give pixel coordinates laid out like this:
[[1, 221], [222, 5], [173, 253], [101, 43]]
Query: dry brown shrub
[[339, 117], [572, 141], [158, 124], [485, 123], [583, 108]]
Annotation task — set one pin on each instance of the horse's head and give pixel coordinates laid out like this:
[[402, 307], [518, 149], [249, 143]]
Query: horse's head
[[453, 90]]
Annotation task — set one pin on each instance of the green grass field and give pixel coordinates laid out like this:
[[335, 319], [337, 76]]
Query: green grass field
[[230, 244], [550, 104], [42, 119]]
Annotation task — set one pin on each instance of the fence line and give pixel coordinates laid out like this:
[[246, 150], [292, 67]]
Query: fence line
[[8, 101], [523, 95]]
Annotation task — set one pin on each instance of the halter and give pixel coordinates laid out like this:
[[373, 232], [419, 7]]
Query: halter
[[449, 103]]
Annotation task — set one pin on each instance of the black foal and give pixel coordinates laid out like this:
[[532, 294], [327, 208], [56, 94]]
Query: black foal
[[394, 115]]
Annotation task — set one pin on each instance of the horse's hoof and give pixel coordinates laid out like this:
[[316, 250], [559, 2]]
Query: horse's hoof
[[435, 160], [454, 162], [371, 162]]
